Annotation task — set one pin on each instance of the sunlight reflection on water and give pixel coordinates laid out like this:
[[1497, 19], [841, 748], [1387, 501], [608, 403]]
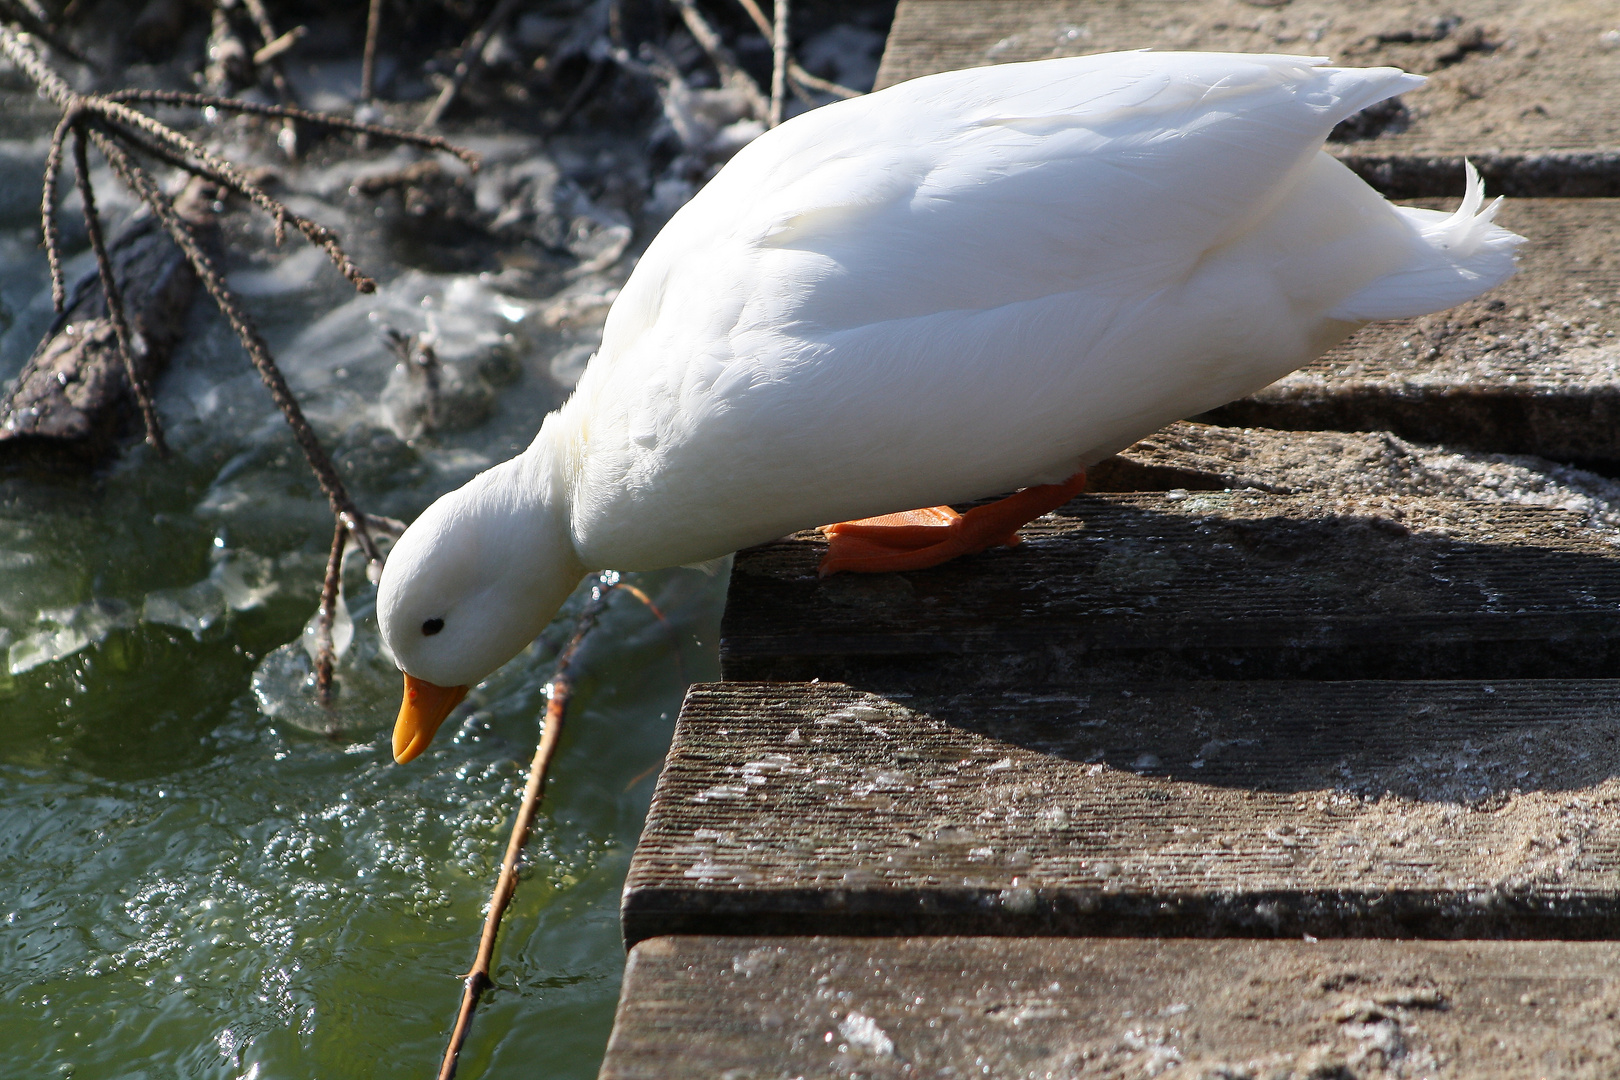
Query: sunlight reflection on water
[[190, 883]]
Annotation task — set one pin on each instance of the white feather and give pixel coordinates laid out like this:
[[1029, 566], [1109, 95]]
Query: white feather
[[958, 286]]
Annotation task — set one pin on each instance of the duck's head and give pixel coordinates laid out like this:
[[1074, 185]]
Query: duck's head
[[468, 586]]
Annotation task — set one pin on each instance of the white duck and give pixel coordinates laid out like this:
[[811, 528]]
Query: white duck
[[959, 286]]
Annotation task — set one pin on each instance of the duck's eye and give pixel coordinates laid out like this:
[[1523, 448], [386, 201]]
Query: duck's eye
[[431, 627]]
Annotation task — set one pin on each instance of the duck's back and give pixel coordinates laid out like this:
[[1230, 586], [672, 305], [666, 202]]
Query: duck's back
[[979, 280]]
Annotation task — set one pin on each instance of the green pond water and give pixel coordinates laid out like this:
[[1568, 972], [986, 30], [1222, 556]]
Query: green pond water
[[203, 875]]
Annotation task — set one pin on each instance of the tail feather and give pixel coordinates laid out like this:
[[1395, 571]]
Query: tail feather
[[1455, 257]]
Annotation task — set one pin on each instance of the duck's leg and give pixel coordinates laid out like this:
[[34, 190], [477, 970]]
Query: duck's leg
[[918, 539]]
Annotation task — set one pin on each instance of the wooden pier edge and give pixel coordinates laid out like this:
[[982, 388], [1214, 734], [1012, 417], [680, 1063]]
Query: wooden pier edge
[[1295, 781], [755, 1008]]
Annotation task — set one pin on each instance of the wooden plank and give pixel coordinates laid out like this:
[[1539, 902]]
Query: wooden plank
[[1189, 456], [1529, 92], [1532, 367], [1238, 584], [1371, 809], [750, 1008]]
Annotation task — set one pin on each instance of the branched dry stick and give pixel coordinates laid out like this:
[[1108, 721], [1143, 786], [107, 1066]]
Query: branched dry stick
[[556, 705], [148, 192], [731, 73], [335, 123], [53, 237], [115, 300], [796, 73], [325, 655], [270, 55], [107, 121]]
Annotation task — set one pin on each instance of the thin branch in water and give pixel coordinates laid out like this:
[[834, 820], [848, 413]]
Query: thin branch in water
[[258, 352], [228, 174], [161, 153], [116, 111], [325, 654], [368, 59], [115, 299], [826, 86], [109, 121], [795, 72], [336, 123], [779, 62], [269, 55], [731, 73], [674, 638], [48, 222], [471, 53], [642, 775], [477, 980], [273, 49]]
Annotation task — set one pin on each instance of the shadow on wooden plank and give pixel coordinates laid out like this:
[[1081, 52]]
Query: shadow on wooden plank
[[1237, 584], [1414, 809]]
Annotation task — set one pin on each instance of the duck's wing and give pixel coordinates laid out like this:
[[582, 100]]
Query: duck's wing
[[978, 188], [875, 263]]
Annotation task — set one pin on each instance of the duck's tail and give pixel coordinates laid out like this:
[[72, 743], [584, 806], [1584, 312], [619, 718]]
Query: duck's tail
[[1455, 257]]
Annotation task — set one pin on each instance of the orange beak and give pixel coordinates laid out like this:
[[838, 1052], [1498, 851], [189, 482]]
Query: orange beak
[[420, 714]]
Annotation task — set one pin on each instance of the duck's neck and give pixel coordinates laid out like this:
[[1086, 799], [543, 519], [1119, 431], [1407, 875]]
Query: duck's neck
[[543, 482]]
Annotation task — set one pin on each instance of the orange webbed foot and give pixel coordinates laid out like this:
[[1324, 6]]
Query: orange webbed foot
[[918, 539]]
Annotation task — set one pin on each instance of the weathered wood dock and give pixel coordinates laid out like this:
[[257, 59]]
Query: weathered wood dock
[[1292, 750]]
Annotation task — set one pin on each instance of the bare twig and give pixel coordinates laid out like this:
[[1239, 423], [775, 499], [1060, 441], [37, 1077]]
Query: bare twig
[[336, 123], [731, 73], [795, 72], [115, 300], [826, 86], [556, 705], [471, 53], [163, 154], [269, 55], [368, 59], [147, 190], [758, 16], [53, 235], [115, 127], [122, 118], [779, 62], [229, 63], [325, 655], [278, 45], [226, 173]]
